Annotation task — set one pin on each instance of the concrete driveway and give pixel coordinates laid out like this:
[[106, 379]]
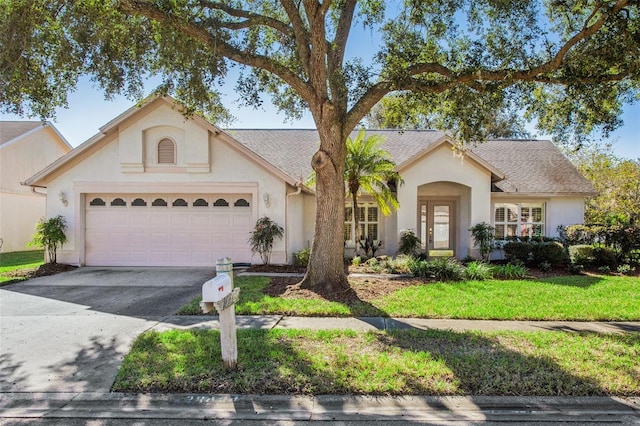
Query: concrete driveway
[[69, 332]]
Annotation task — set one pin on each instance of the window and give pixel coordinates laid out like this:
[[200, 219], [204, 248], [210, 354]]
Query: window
[[221, 202], [519, 220], [200, 202], [118, 202], [166, 152], [180, 202], [97, 202], [241, 203], [159, 202], [138, 202], [367, 219]]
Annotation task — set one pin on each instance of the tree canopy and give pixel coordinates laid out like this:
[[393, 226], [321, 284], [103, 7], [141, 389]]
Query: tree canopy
[[572, 64], [617, 182]]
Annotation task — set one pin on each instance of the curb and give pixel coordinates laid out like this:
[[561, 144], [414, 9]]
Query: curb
[[318, 408]]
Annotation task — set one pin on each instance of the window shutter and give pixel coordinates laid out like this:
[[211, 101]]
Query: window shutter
[[166, 152]]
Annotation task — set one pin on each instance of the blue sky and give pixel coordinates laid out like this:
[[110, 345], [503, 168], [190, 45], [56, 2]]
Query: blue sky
[[88, 111]]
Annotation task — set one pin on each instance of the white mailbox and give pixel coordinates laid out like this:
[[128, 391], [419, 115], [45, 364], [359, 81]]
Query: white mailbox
[[216, 289]]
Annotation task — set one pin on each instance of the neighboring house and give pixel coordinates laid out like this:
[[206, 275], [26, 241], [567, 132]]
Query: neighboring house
[[26, 147], [155, 188]]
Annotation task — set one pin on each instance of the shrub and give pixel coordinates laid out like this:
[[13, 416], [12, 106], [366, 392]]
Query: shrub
[[604, 256], [399, 265], [581, 254], [478, 271], [550, 252], [356, 261], [518, 250], [409, 243], [510, 271], [49, 235], [446, 269], [626, 269], [576, 268], [419, 268], [483, 237], [263, 236], [301, 258], [604, 270]]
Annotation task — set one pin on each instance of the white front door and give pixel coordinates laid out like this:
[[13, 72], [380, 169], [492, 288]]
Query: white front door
[[166, 229]]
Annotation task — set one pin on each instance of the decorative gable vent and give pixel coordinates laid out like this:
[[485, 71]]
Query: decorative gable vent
[[166, 152]]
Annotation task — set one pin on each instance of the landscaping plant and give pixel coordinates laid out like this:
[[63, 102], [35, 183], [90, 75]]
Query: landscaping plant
[[50, 235], [483, 237], [409, 243], [263, 237]]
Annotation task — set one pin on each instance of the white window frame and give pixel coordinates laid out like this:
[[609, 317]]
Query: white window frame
[[522, 222], [364, 224]]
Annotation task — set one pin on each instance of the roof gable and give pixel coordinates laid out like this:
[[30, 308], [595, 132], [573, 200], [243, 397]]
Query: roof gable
[[10, 130], [111, 129]]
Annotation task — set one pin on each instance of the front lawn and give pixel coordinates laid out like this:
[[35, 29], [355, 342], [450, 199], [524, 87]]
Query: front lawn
[[408, 362], [575, 298], [14, 265]]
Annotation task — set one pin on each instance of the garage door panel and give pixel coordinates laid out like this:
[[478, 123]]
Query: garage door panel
[[166, 236], [243, 221]]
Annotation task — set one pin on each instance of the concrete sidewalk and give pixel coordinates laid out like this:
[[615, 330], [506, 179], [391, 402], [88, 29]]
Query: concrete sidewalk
[[380, 323], [153, 409]]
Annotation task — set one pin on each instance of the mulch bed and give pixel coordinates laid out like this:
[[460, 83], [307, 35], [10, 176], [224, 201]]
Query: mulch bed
[[42, 271], [361, 289]]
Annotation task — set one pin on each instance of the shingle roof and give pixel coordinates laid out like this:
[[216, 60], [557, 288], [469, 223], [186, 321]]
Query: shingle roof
[[533, 167], [291, 150], [10, 130]]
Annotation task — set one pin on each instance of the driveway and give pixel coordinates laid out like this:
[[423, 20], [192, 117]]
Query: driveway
[[69, 332]]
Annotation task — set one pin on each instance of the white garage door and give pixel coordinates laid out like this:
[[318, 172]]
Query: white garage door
[[166, 230]]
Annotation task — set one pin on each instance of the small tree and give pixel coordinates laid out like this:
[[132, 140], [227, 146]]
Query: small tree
[[483, 237], [49, 234], [409, 243], [262, 237]]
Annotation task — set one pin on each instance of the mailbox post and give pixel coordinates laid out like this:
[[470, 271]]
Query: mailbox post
[[219, 293]]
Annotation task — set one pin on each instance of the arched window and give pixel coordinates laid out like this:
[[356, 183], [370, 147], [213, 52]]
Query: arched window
[[138, 202], [221, 202], [180, 202], [241, 203], [159, 202], [119, 202], [97, 202], [166, 151], [200, 202]]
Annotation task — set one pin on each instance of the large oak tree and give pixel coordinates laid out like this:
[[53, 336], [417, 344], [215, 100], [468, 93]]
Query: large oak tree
[[570, 63]]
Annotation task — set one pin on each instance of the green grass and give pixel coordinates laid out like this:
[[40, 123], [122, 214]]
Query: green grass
[[573, 298], [408, 362], [14, 261], [577, 298]]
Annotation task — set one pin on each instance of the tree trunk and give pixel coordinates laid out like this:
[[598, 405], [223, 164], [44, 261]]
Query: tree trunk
[[356, 222], [325, 273]]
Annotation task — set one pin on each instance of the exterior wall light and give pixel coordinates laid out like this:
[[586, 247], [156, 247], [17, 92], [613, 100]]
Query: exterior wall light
[[63, 198]]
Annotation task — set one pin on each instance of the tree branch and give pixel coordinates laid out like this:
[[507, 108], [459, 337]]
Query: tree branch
[[318, 64], [342, 34], [300, 32], [218, 45], [250, 18]]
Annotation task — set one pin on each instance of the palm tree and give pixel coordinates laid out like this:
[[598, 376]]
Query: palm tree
[[370, 169]]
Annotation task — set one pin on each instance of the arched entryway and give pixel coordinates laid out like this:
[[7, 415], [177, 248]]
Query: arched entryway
[[444, 219]]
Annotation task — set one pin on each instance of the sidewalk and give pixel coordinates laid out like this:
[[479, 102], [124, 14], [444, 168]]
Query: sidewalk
[[381, 323]]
